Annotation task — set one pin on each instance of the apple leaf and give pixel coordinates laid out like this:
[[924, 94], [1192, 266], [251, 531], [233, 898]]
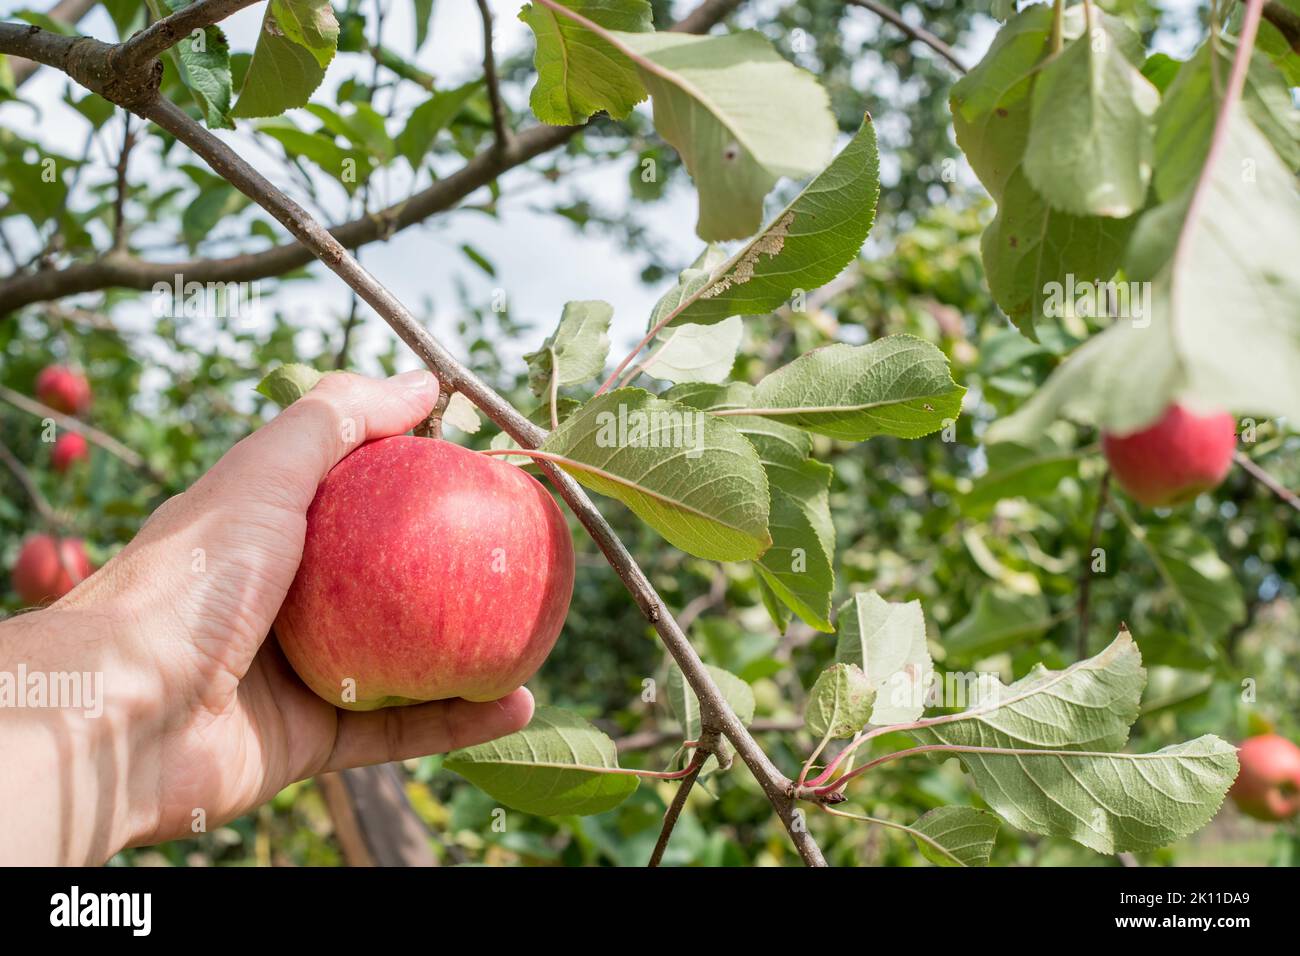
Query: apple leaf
[[797, 568], [578, 72], [840, 702], [461, 414], [429, 119], [284, 72], [205, 69], [1001, 618], [554, 766], [739, 114], [805, 246], [1124, 378], [576, 350], [1028, 469], [691, 476], [887, 640], [1089, 149], [696, 353], [1107, 801], [899, 385], [288, 383], [956, 836]]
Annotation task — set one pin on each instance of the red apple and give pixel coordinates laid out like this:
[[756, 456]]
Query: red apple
[[1174, 460], [69, 448], [63, 389], [1268, 785], [47, 569], [429, 571]]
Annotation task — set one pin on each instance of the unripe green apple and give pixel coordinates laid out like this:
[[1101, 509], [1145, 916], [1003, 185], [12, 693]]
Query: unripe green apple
[[63, 389], [1174, 460], [47, 568], [1268, 784], [429, 571]]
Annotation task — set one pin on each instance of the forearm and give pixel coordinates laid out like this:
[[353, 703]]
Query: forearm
[[69, 740]]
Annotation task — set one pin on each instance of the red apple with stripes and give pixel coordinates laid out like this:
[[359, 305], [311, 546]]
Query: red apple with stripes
[[429, 572]]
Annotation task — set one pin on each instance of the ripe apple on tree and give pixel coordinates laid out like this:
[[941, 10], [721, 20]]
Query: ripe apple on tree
[[63, 389], [69, 448], [1174, 460], [429, 571], [48, 568], [1268, 785]]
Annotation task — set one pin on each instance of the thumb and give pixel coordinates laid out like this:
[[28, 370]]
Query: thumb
[[290, 456]]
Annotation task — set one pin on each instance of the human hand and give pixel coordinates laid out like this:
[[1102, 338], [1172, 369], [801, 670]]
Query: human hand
[[204, 719]]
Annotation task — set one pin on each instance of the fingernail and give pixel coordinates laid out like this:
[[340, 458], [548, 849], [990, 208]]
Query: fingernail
[[421, 380]]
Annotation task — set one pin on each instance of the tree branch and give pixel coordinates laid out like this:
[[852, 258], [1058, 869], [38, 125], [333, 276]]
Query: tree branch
[[67, 12], [1268, 481], [93, 435], [675, 808], [24, 478], [499, 127], [160, 36], [714, 710], [920, 34]]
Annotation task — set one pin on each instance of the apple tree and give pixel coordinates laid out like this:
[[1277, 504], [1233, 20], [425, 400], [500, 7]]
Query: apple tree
[[849, 475]]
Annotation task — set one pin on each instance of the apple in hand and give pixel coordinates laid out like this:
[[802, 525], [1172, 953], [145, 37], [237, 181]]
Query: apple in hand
[[1174, 460], [69, 448], [63, 389], [48, 568], [1268, 784], [429, 571]]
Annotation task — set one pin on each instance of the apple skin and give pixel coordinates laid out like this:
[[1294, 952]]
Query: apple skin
[[429, 571], [1268, 784], [69, 448], [63, 389], [1174, 460], [40, 576]]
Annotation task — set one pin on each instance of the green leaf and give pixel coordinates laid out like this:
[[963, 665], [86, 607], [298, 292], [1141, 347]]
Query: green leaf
[[689, 475], [349, 166], [1030, 469], [956, 836], [551, 767], [578, 72], [840, 702], [1031, 251], [214, 203], [899, 385], [887, 640], [461, 414], [739, 115], [423, 11], [429, 119], [1124, 378], [696, 353], [311, 24], [577, 348], [1089, 149], [205, 69], [1109, 802], [797, 569], [283, 74], [990, 104], [805, 246], [1001, 618], [1197, 581], [288, 383]]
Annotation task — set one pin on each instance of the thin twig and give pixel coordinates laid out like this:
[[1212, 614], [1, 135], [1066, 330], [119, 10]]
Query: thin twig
[[675, 808], [1085, 572], [920, 34], [119, 204], [499, 126], [162, 35], [24, 477], [93, 435], [1268, 481]]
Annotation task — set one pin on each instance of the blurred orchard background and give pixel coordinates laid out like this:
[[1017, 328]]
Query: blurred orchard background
[[995, 559]]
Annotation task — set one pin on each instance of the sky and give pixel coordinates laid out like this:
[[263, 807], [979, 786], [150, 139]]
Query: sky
[[541, 260]]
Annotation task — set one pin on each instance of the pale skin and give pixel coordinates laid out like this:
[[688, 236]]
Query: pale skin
[[203, 717]]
